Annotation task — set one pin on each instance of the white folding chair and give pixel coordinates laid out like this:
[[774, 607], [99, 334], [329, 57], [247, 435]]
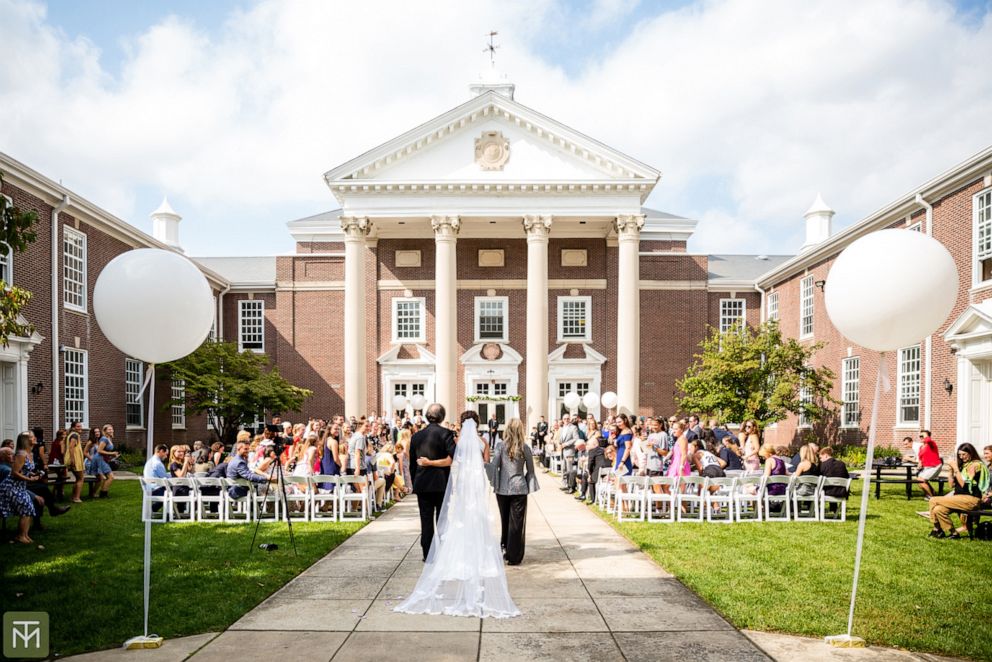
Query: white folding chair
[[663, 499], [782, 514], [324, 503], [720, 502], [298, 495], [811, 500], [630, 492], [606, 490], [242, 508], [358, 497], [209, 506], [148, 513], [748, 498], [268, 500], [827, 499], [689, 498], [182, 499], [734, 473]]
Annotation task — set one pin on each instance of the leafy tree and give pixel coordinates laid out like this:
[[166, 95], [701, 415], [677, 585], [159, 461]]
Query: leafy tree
[[17, 232], [233, 387], [758, 374]]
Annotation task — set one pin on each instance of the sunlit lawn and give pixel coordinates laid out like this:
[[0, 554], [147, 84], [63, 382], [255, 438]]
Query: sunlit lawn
[[915, 592], [89, 576]]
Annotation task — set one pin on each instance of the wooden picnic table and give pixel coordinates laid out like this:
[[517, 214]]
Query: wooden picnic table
[[901, 473]]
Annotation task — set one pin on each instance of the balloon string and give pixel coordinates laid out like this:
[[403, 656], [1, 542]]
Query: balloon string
[[149, 373]]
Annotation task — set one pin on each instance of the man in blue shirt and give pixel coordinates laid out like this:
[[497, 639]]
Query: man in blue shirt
[[155, 468], [237, 467]]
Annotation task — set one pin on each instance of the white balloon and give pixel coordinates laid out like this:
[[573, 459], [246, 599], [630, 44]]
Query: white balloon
[[609, 399], [399, 402], [572, 400], [891, 289], [153, 305], [418, 402], [590, 400]]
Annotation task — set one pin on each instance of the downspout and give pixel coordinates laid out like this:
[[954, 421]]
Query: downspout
[[56, 383], [763, 311], [220, 312], [928, 390]]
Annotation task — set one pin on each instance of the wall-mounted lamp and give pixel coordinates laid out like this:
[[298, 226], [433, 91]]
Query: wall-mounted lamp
[[37, 388], [820, 284], [948, 386]]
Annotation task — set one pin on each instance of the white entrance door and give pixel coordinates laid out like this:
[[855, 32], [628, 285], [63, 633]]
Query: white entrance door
[[408, 390], [564, 388], [980, 405], [8, 400]]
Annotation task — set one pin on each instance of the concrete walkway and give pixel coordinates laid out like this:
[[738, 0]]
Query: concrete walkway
[[585, 593]]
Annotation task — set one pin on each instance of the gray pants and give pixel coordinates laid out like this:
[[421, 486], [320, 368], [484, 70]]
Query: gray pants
[[568, 470]]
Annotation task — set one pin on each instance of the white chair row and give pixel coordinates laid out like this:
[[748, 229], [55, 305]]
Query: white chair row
[[742, 498], [201, 499]]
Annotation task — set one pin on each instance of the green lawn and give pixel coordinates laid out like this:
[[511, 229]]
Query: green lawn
[[915, 592], [89, 576]]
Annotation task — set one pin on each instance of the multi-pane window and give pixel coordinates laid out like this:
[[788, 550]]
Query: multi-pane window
[[408, 320], [178, 404], [76, 385], [806, 307], [6, 265], [773, 306], [851, 392], [983, 235], [805, 398], [500, 388], [134, 409], [251, 325], [916, 227], [490, 318], [74, 269], [564, 388], [573, 319], [482, 388], [909, 385], [731, 314]]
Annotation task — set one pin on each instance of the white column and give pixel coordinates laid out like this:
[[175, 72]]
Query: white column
[[628, 228], [537, 228], [445, 316], [356, 229]]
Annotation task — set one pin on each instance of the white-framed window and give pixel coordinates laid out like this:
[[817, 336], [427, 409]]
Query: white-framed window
[[408, 319], [772, 306], [73, 269], [909, 386], [251, 325], [916, 227], [134, 404], [77, 396], [7, 261], [732, 312], [491, 323], [805, 397], [982, 212], [179, 410], [806, 307], [574, 323], [850, 390]]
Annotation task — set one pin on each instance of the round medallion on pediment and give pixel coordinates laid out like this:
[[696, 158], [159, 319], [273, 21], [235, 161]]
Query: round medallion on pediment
[[492, 150], [492, 351]]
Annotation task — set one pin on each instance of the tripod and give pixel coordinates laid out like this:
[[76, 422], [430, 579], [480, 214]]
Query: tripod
[[275, 471]]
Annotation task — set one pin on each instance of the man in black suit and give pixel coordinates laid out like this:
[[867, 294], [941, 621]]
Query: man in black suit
[[431, 451], [493, 431], [595, 460]]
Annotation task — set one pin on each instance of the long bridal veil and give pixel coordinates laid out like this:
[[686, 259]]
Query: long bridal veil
[[464, 574]]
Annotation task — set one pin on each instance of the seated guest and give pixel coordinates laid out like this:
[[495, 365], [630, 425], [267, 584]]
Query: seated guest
[[155, 468], [808, 465], [37, 485], [730, 454], [970, 479], [774, 466], [217, 452], [831, 467], [931, 465], [237, 467], [705, 462], [15, 499]]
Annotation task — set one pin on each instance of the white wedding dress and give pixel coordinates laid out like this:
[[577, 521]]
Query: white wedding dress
[[464, 574]]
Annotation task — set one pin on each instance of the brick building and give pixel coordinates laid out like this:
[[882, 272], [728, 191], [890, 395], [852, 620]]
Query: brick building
[[494, 258]]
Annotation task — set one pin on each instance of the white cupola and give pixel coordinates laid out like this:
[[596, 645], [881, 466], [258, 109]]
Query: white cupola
[[492, 80], [819, 218], [165, 225]]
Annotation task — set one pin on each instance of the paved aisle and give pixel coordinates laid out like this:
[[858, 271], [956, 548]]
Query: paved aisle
[[585, 594]]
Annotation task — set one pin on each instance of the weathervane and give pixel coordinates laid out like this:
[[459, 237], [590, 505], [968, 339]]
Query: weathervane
[[491, 48]]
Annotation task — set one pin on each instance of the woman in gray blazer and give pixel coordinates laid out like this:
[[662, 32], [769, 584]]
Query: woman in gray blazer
[[513, 479]]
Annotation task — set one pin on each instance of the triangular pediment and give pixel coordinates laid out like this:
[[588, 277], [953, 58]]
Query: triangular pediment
[[407, 355], [975, 321], [539, 149]]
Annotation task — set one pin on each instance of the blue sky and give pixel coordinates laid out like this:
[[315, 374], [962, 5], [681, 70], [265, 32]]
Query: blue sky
[[235, 108]]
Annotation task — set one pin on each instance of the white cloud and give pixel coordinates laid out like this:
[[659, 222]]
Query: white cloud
[[767, 103]]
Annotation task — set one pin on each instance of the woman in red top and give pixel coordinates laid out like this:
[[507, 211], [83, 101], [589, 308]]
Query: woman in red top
[[930, 463]]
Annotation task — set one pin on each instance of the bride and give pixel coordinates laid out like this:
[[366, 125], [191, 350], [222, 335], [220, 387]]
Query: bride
[[464, 573]]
